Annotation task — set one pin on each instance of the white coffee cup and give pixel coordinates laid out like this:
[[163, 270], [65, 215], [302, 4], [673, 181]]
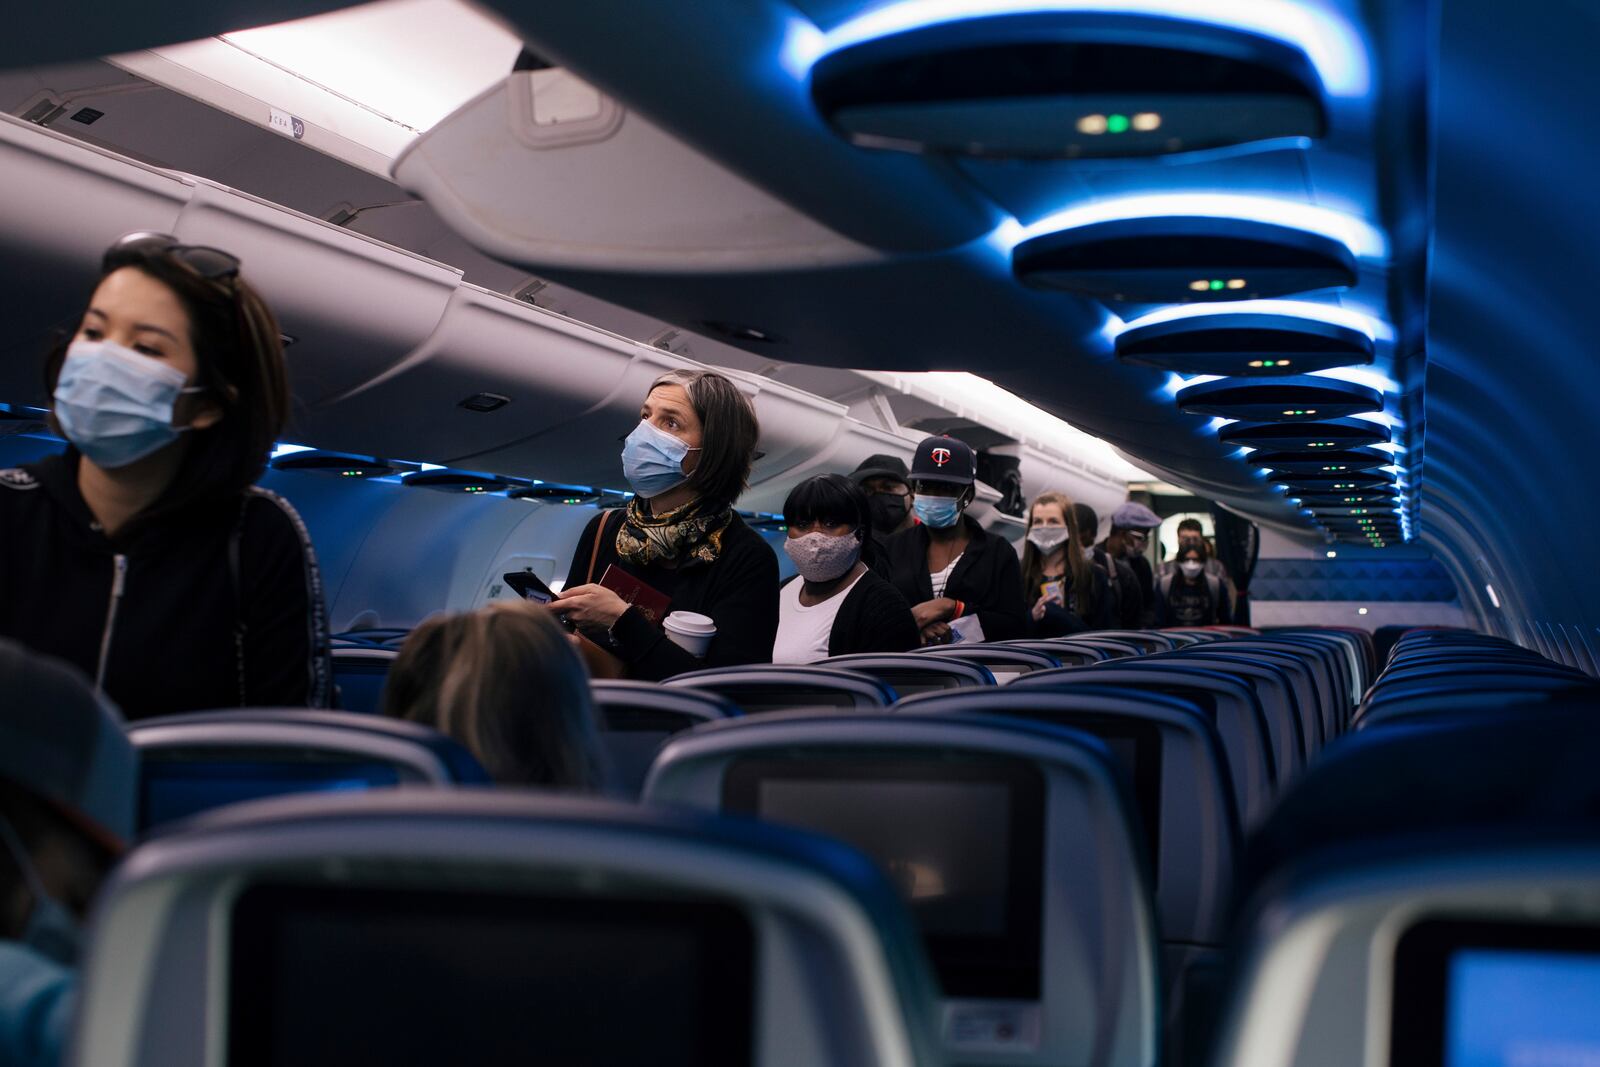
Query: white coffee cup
[[690, 631]]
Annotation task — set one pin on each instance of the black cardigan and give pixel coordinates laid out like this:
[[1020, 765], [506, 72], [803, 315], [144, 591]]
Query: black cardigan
[[873, 618], [739, 591], [987, 578], [1060, 622], [218, 604]]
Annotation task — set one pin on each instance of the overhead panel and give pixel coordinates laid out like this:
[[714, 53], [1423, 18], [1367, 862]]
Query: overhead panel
[[1301, 398], [1067, 85], [1334, 461], [1337, 482], [1244, 345], [454, 481], [1321, 436], [1175, 259]]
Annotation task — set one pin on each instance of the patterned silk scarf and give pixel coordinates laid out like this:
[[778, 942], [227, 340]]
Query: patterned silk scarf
[[690, 534]]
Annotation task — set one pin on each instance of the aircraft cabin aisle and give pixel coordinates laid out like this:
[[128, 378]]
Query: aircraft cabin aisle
[[1166, 420]]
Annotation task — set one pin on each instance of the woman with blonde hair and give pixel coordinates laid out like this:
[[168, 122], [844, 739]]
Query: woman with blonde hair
[[506, 683], [1068, 593]]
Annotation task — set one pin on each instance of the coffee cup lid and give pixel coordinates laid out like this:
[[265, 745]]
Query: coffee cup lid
[[691, 622]]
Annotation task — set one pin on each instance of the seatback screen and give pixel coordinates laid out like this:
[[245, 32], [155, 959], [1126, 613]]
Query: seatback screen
[[176, 788], [329, 977], [1480, 994], [963, 841]]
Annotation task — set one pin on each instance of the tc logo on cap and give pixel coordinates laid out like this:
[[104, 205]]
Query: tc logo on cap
[[940, 456]]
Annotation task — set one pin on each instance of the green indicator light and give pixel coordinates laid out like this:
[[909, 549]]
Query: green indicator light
[[1117, 124], [1216, 284]]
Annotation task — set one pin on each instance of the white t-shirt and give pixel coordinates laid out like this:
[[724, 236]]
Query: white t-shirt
[[940, 579], [803, 632]]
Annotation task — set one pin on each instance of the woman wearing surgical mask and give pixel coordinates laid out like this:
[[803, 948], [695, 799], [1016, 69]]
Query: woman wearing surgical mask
[[687, 461], [144, 555], [963, 582], [837, 605], [1069, 594], [1189, 596]]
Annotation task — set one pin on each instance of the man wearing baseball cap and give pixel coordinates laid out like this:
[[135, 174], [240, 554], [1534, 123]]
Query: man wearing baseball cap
[[964, 583], [1131, 524], [886, 482], [68, 777]]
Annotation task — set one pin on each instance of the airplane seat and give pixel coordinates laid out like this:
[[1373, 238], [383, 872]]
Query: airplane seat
[[764, 687], [489, 927], [1070, 653], [1042, 934], [1518, 766], [359, 673], [1007, 662], [1329, 676], [1481, 950], [636, 719], [1114, 648], [1228, 702], [374, 637], [1488, 694], [1176, 768], [1144, 640], [1315, 725], [195, 762], [1275, 690], [910, 674]]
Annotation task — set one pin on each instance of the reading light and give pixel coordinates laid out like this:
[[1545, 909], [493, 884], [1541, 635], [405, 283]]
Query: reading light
[[1146, 121], [1332, 554], [1361, 611], [1093, 125], [1236, 283]]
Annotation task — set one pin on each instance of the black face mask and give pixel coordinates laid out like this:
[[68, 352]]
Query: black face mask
[[888, 511]]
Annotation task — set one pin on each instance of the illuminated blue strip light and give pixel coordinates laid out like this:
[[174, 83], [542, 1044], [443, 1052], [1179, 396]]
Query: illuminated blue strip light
[[1334, 48]]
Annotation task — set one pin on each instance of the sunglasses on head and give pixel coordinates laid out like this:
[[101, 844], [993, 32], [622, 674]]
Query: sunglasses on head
[[212, 264]]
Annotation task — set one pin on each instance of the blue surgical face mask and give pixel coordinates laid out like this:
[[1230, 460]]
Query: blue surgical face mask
[[115, 405], [938, 512], [51, 929], [652, 460]]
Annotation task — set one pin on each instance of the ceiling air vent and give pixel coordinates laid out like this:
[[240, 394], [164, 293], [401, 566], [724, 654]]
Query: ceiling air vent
[[1297, 399], [1067, 86], [556, 494], [1174, 259], [1337, 482], [1323, 436], [1333, 461], [1244, 344], [1337, 503]]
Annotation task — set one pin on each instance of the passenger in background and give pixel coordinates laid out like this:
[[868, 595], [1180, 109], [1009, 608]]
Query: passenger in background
[[837, 605], [1191, 597], [68, 781], [885, 481], [963, 582], [1126, 603], [1069, 594], [687, 461], [506, 683], [1192, 534], [145, 556], [1131, 524]]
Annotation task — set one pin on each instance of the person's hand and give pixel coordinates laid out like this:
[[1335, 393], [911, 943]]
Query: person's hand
[[1038, 608], [936, 633], [593, 606], [939, 609]]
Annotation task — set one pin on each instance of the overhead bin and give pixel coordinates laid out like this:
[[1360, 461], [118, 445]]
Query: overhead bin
[[70, 202], [545, 171], [1301, 398], [1245, 345], [1175, 259], [1067, 85], [1324, 435]]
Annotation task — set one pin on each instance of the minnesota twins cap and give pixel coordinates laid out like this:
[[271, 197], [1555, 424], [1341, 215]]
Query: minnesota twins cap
[[944, 459]]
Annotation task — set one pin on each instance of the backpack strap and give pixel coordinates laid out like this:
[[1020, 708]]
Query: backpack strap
[[599, 535]]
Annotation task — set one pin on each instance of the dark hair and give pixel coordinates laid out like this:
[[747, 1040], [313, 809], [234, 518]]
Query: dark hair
[[1191, 524], [239, 352], [1185, 549], [729, 432], [1084, 519], [505, 683], [835, 500]]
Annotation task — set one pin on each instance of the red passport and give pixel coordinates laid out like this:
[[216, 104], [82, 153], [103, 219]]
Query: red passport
[[650, 601]]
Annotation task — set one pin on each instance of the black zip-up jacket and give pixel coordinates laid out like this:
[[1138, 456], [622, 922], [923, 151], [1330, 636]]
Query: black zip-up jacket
[[739, 591], [192, 604], [988, 578]]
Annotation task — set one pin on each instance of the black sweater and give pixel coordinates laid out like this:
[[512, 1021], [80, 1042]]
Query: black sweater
[[739, 591], [987, 578], [873, 618], [192, 605], [1059, 621]]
